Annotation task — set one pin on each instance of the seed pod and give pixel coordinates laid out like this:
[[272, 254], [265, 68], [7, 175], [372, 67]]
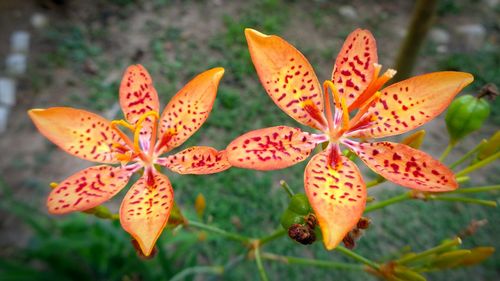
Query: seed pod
[[290, 218], [465, 115], [302, 234], [300, 204]]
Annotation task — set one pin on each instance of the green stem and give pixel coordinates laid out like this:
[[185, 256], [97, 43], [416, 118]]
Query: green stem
[[465, 200], [260, 266], [218, 270], [375, 182], [444, 246], [313, 262], [287, 188], [468, 154], [477, 189], [463, 179], [396, 199], [446, 151], [357, 257], [222, 232], [478, 165], [277, 234]]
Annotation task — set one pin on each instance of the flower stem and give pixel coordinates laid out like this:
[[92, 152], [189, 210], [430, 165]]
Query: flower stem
[[443, 246], [468, 154], [477, 189], [218, 270], [287, 188], [396, 199], [313, 262], [277, 234], [446, 151], [375, 182], [478, 165], [222, 232], [358, 257], [488, 203], [260, 266]]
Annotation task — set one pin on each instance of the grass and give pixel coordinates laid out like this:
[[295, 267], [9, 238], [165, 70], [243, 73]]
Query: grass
[[243, 201]]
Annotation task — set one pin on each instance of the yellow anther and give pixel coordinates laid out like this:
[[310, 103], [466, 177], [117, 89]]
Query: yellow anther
[[53, 184]]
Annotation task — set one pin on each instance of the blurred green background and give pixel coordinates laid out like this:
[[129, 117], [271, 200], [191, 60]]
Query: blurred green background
[[77, 58]]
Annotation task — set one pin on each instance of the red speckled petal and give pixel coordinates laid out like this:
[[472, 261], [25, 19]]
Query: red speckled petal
[[337, 196], [145, 210], [87, 189], [405, 166], [198, 160], [137, 93], [288, 78], [270, 148], [138, 96], [411, 103], [78, 132], [189, 109], [354, 68]]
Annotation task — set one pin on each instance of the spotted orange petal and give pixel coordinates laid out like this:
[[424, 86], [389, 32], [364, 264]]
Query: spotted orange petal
[[288, 78], [145, 210], [137, 93], [405, 166], [411, 103], [198, 160], [87, 189], [270, 148], [189, 109], [337, 196], [78, 132], [354, 66]]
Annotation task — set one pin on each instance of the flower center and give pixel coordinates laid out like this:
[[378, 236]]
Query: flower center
[[132, 149]]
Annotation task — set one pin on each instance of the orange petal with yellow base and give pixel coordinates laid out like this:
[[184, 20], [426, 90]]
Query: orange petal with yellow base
[[354, 66], [411, 103], [137, 93], [198, 160], [145, 210], [270, 148], [337, 196], [288, 78], [87, 189], [188, 109], [78, 132], [405, 166]]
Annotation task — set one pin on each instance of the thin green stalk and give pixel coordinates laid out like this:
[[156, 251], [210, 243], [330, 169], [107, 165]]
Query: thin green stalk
[[478, 165], [488, 203], [477, 189], [375, 182], [358, 257], [468, 154], [447, 151], [313, 262], [463, 179], [396, 199], [287, 188], [277, 234], [222, 232], [218, 270], [444, 246], [260, 266]]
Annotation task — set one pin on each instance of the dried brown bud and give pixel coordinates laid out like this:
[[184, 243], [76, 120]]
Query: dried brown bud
[[302, 234], [349, 242], [364, 223], [311, 221]]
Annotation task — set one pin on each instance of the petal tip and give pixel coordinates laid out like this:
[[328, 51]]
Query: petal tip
[[252, 34]]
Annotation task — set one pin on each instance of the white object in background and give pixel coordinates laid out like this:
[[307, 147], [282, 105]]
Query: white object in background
[[16, 64], [38, 20], [4, 114], [7, 91], [20, 41], [348, 12]]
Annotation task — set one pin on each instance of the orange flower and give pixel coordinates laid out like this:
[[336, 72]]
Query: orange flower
[[145, 209], [333, 183]]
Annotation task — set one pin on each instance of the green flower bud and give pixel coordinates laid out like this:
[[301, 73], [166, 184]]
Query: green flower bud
[[477, 255], [450, 259], [465, 115], [407, 274]]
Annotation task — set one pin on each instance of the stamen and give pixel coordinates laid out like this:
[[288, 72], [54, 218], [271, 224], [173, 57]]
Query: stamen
[[53, 184], [139, 125], [373, 87], [345, 115], [329, 116], [364, 108], [336, 129]]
